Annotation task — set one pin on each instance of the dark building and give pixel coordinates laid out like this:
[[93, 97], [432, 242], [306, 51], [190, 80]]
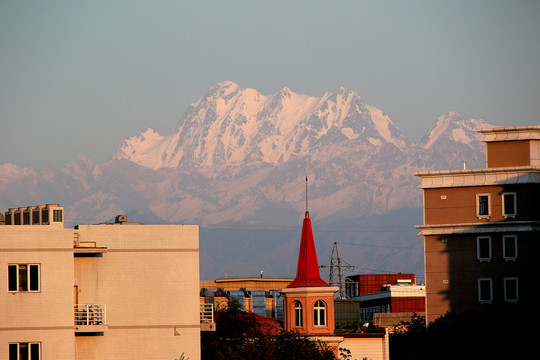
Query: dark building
[[481, 227]]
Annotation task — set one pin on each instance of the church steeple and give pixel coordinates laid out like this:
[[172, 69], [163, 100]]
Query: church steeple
[[307, 271], [308, 301]]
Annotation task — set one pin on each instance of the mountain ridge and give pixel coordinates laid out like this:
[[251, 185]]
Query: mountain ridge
[[242, 124], [239, 157]]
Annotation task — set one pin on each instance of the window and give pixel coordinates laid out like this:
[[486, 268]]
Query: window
[[366, 313], [45, 216], [25, 351], [509, 208], [511, 289], [319, 313], [482, 205], [57, 215], [298, 315], [485, 291], [26, 218], [483, 248], [35, 216], [23, 277], [17, 218], [510, 247]]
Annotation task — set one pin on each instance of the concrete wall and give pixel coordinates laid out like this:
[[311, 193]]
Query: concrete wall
[[147, 276], [149, 281], [367, 347], [45, 316]]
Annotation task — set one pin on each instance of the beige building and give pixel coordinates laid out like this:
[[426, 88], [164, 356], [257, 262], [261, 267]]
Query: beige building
[[109, 291]]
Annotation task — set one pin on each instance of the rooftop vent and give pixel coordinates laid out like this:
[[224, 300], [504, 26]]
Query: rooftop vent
[[120, 219]]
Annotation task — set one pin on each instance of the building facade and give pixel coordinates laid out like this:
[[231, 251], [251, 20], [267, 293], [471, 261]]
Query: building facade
[[392, 299], [108, 291], [481, 227], [260, 295], [362, 284]]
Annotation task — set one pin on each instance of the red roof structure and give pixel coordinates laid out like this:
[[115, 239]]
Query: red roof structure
[[267, 326], [307, 272]]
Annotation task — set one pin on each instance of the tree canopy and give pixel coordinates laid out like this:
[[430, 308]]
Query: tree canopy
[[239, 336]]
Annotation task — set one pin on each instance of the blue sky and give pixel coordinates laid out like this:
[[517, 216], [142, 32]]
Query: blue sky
[[78, 77]]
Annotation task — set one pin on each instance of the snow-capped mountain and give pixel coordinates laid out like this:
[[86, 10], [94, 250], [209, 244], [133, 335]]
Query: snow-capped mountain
[[452, 127], [239, 158], [229, 126]]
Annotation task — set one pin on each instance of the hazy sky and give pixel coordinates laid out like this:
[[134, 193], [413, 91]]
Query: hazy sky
[[78, 77]]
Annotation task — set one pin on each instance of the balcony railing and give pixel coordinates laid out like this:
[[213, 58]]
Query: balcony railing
[[207, 317], [207, 312], [90, 314]]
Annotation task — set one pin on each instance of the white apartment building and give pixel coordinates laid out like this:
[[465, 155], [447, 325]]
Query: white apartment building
[[108, 291]]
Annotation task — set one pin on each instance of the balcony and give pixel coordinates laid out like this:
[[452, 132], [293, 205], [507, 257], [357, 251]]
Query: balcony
[[90, 319], [86, 248], [207, 317]]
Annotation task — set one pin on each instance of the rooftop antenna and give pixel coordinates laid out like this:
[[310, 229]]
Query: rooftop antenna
[[307, 212], [336, 278]]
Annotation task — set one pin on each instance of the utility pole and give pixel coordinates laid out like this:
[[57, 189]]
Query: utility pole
[[336, 265]]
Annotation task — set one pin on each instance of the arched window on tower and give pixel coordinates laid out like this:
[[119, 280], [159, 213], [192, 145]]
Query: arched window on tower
[[298, 314], [319, 313]]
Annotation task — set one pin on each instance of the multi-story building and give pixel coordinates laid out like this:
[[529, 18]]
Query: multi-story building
[[392, 299], [481, 227], [362, 284], [117, 290]]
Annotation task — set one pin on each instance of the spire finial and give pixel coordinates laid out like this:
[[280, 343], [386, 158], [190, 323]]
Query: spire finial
[[307, 212]]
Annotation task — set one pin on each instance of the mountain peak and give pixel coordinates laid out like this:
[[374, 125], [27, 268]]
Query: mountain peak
[[223, 89], [452, 126], [230, 125]]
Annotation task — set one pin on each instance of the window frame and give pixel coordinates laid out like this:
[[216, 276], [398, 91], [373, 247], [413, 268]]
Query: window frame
[[319, 313], [506, 238], [481, 281], [480, 250], [298, 314], [503, 204], [31, 346], [32, 281], [57, 215], [506, 289], [478, 207]]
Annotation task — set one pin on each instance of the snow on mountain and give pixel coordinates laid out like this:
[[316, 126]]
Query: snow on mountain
[[230, 125], [238, 157], [9, 172], [455, 128]]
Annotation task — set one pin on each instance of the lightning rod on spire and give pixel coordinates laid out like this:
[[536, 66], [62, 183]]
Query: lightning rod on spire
[[307, 212]]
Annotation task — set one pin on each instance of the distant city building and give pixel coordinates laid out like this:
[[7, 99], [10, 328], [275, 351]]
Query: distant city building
[[481, 227], [393, 299], [372, 297], [108, 291], [260, 295], [362, 284]]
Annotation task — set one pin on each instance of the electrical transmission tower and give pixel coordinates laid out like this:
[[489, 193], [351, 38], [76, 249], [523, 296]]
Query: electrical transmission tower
[[336, 278]]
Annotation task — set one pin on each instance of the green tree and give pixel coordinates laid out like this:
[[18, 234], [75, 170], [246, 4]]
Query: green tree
[[238, 336]]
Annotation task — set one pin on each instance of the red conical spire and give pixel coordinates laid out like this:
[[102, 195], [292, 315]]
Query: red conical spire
[[307, 272]]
